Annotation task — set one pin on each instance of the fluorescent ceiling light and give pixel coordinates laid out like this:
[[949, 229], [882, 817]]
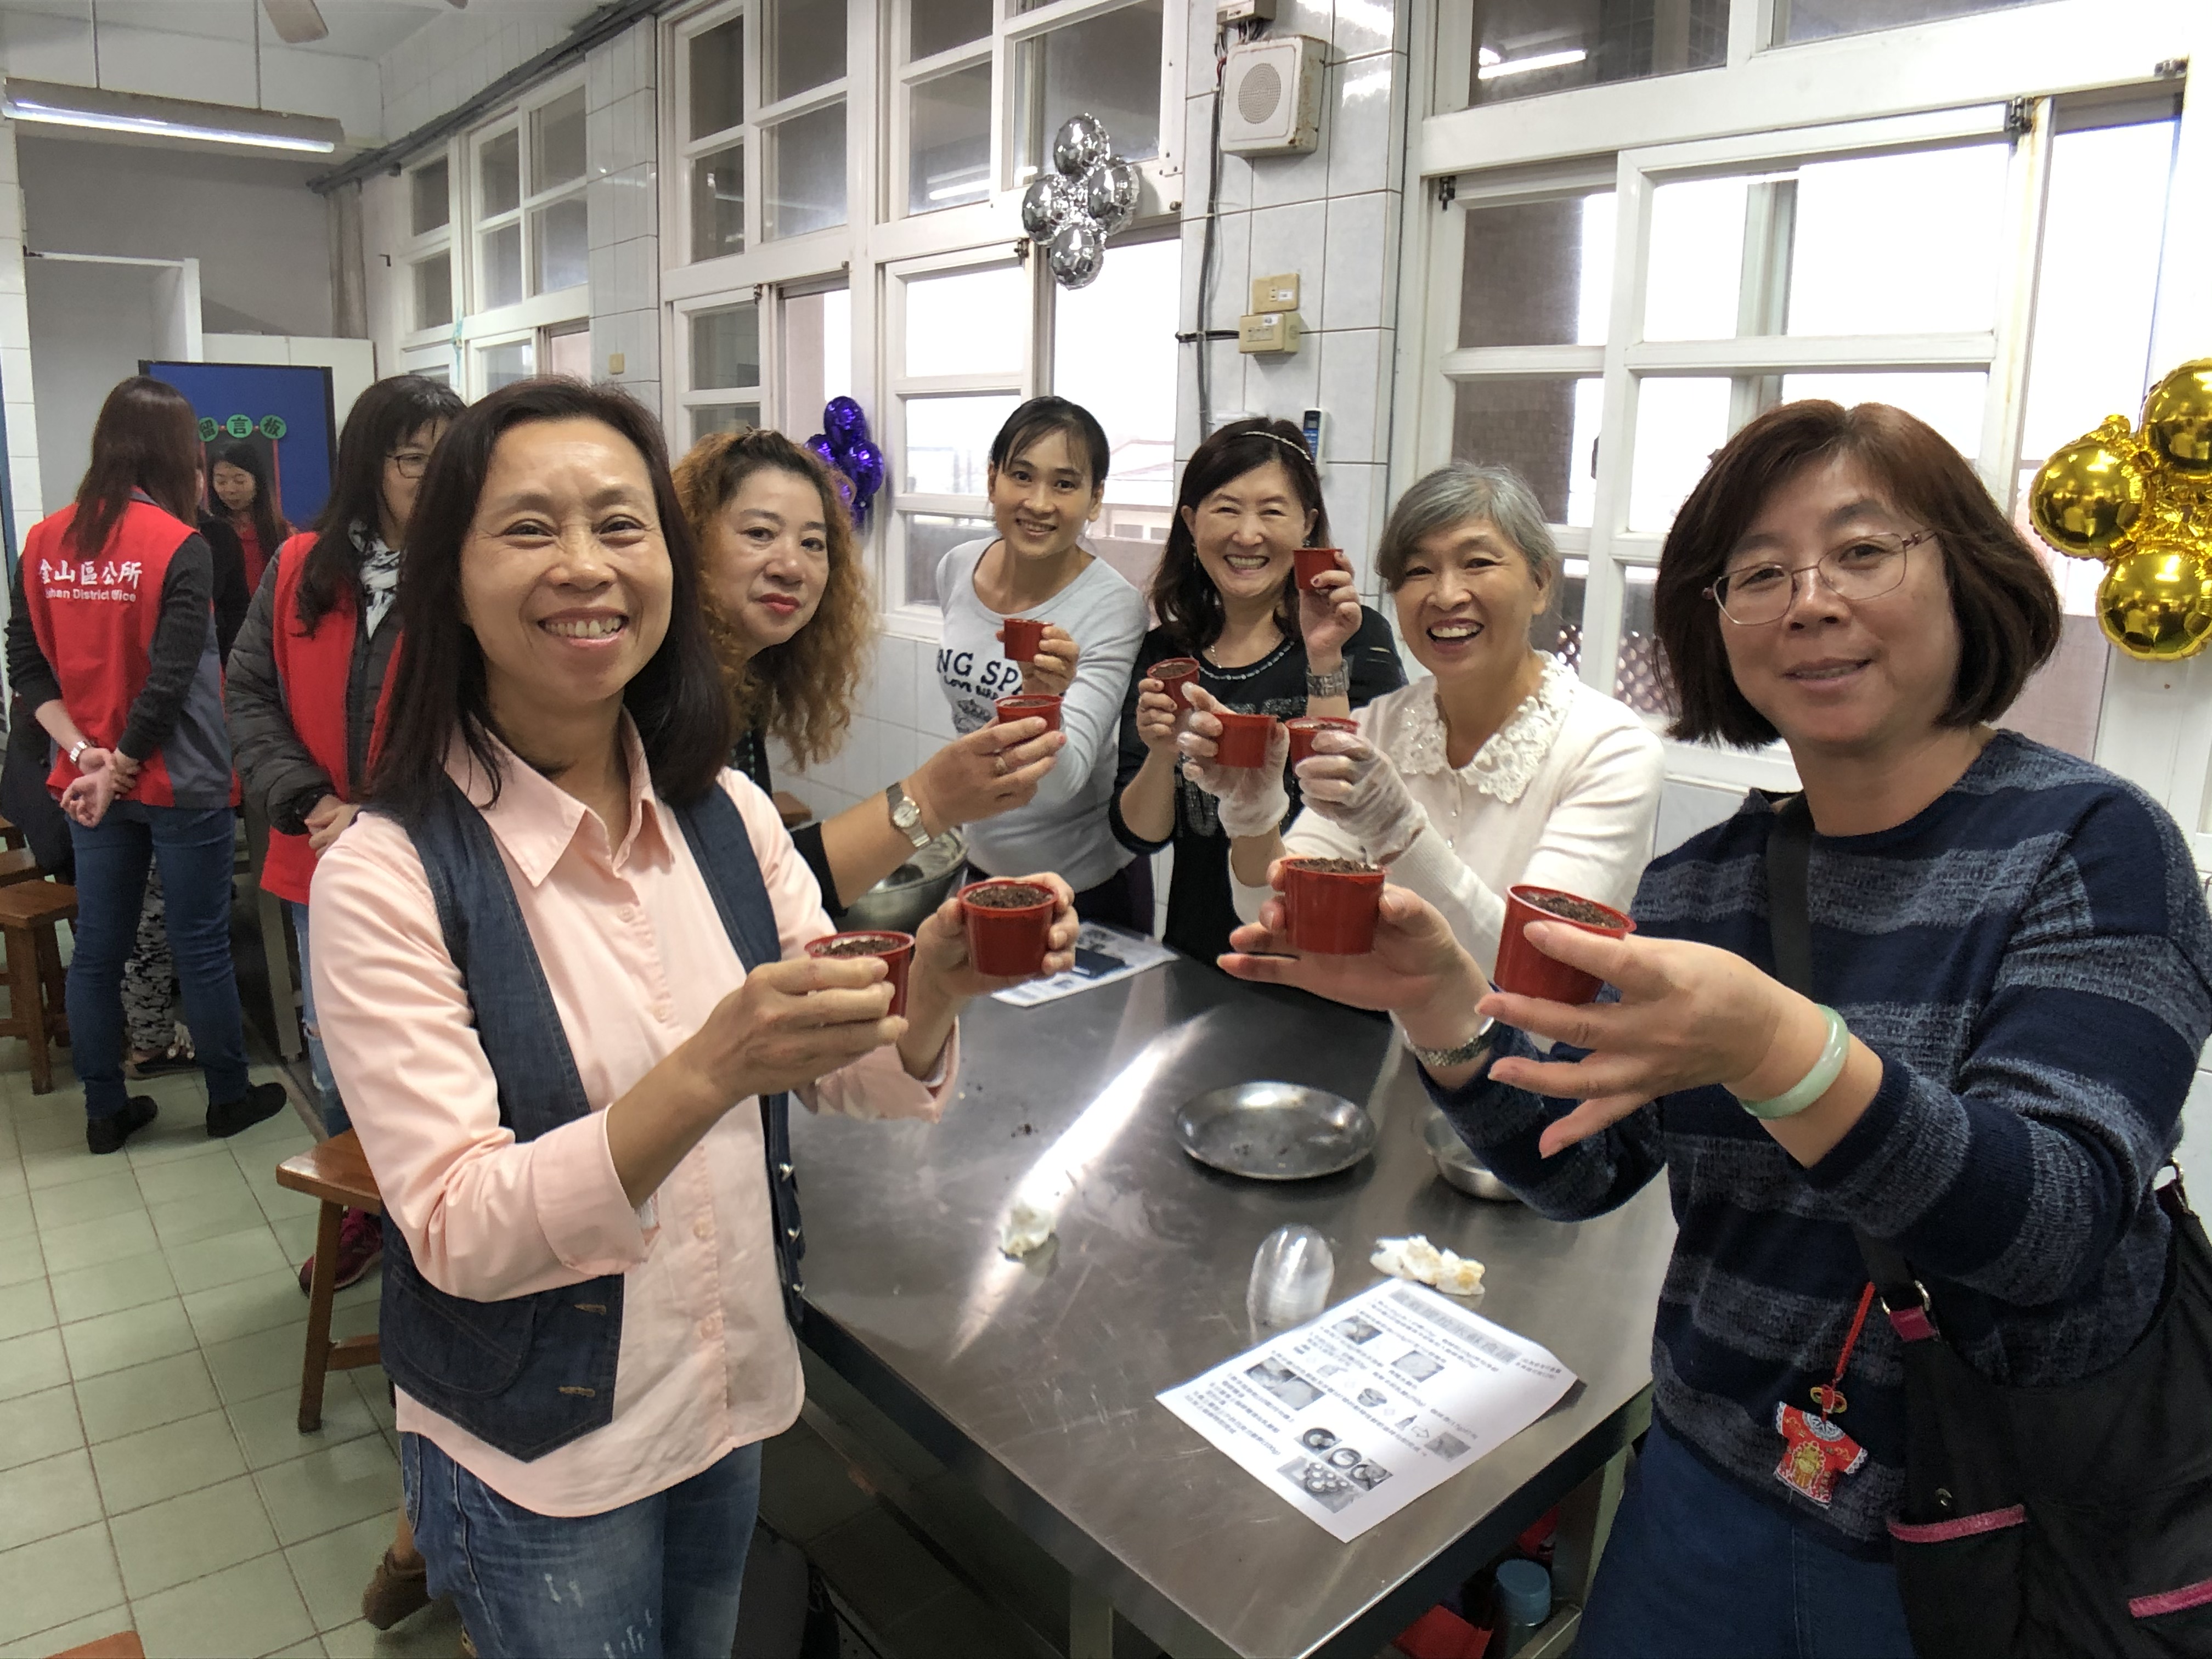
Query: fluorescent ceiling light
[[1521, 65], [166, 118]]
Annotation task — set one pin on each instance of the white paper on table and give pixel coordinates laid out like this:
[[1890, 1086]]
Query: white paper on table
[[1124, 954], [1351, 1418]]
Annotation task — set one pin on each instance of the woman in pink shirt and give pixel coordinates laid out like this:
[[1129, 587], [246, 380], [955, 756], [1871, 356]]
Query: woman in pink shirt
[[560, 969]]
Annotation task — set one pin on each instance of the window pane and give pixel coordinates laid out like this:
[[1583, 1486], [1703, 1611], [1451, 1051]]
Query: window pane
[[431, 198], [1638, 678], [1951, 403], [440, 373], [1538, 273], [1525, 47], [940, 25], [968, 322], [725, 347], [1114, 352], [948, 442], [1542, 426], [928, 539], [1678, 425], [560, 245], [556, 142], [817, 356], [1108, 66], [718, 203], [568, 351], [718, 78], [502, 266], [1559, 630], [503, 365], [498, 175], [706, 419], [806, 174], [1848, 272], [1816, 19], [434, 291], [806, 46], [1696, 260], [949, 143]]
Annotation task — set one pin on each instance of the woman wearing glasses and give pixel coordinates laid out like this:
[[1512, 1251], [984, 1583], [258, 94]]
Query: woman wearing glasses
[[308, 678], [2014, 965]]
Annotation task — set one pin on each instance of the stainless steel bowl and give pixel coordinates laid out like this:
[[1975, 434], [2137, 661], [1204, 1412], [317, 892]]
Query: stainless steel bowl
[[1460, 1167], [1275, 1131], [902, 900]]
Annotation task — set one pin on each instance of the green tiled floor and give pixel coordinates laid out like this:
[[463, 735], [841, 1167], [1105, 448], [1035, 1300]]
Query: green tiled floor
[[151, 1474]]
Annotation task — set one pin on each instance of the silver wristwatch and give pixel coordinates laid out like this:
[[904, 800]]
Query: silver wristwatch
[[1336, 684], [906, 816], [1440, 1060]]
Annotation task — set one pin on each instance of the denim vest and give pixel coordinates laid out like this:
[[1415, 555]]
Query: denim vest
[[533, 1372]]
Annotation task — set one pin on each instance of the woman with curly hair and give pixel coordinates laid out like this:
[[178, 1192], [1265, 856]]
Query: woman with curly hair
[[788, 610]]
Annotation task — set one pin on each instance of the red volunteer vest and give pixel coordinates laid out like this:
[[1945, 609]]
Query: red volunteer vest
[[95, 619], [312, 672]]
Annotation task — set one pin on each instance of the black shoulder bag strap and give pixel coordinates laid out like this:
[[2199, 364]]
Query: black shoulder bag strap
[[1790, 926]]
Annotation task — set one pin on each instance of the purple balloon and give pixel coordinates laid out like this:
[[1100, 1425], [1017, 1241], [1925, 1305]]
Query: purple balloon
[[826, 451], [864, 463], [845, 422]]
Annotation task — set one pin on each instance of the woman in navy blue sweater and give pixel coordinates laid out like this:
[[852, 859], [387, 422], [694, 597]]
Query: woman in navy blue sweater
[[2017, 962]]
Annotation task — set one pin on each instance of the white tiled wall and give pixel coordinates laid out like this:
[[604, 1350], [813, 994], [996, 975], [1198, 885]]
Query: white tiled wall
[[461, 52], [621, 139], [904, 720], [22, 458]]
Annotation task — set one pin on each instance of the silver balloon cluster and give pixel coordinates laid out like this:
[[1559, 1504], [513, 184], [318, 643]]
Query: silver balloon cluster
[[1088, 194]]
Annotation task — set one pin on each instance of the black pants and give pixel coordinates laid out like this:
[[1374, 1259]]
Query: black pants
[[1124, 899]]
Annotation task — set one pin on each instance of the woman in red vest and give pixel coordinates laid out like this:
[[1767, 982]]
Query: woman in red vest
[[238, 484], [111, 640], [308, 676]]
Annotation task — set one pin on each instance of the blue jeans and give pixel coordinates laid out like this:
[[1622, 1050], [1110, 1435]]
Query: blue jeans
[[335, 1121], [656, 1579], [193, 848], [1697, 1567]]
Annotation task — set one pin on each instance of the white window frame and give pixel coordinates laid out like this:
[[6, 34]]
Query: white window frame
[[1925, 84], [531, 310], [686, 397], [478, 343], [418, 250]]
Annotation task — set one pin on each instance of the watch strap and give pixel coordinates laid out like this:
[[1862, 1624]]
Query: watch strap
[[906, 816], [1335, 683], [1440, 1060]]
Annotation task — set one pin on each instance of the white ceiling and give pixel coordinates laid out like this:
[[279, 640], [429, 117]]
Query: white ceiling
[[358, 28]]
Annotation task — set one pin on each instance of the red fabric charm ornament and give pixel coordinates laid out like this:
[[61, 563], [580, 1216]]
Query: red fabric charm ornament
[[1814, 1451]]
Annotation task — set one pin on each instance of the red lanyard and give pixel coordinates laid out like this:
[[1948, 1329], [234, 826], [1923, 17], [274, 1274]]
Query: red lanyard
[[1828, 1397]]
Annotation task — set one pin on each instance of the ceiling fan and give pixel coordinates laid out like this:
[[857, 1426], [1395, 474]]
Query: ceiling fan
[[298, 22]]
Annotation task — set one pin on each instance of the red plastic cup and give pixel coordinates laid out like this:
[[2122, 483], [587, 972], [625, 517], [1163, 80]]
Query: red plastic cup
[[1243, 741], [1330, 911], [1307, 727], [896, 949], [1028, 706], [1311, 562], [1023, 638], [1525, 970], [1008, 941], [1177, 676]]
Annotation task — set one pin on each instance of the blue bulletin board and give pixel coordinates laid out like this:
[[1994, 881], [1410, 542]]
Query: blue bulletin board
[[285, 410]]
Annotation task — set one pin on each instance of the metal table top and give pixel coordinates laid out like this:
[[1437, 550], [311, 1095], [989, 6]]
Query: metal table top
[[1036, 1379]]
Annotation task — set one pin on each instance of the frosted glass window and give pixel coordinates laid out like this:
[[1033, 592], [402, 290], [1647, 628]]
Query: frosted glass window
[[1109, 65], [929, 537], [1114, 352], [1696, 260], [718, 78], [948, 442], [502, 266], [718, 203], [1543, 426], [560, 245], [1537, 273], [433, 292], [568, 352], [1638, 680], [1524, 48], [817, 356], [968, 322], [706, 419], [806, 46], [1817, 20], [556, 142], [935, 25], [1951, 403], [503, 365], [805, 172], [1899, 243], [429, 197], [498, 175], [949, 140], [1678, 425], [725, 347]]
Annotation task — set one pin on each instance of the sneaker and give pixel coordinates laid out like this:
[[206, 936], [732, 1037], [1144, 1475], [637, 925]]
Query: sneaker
[[107, 1134], [260, 1102], [395, 1591], [361, 1246]]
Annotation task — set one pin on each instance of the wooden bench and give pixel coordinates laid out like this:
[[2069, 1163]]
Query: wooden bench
[[38, 997], [19, 864], [10, 836], [337, 1172]]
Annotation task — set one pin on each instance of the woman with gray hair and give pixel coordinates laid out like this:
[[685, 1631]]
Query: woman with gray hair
[[1502, 767]]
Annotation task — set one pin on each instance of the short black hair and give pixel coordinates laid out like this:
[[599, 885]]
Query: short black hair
[[1041, 416], [677, 701], [389, 412]]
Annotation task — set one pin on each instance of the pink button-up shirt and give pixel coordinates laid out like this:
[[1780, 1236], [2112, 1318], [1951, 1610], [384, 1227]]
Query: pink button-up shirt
[[637, 958]]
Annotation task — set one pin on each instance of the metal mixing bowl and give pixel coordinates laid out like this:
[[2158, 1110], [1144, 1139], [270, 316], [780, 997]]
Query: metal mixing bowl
[[902, 900], [1459, 1166]]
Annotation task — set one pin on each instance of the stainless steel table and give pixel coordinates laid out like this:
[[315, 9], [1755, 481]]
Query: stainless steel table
[[1035, 1380]]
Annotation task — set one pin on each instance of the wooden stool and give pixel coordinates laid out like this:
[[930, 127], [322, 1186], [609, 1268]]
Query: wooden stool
[[336, 1172], [10, 836], [19, 864], [28, 912]]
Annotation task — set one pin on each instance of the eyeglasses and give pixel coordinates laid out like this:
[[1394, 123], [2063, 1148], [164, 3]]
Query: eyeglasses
[[1864, 567], [408, 462]]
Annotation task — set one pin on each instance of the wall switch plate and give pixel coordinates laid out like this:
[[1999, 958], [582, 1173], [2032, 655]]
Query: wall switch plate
[[1269, 330], [1275, 293], [615, 362]]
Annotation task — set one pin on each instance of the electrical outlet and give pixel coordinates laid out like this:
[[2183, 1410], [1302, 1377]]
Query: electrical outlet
[[615, 362], [1269, 330], [1275, 293]]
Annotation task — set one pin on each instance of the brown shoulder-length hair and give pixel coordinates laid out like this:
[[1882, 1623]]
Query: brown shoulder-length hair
[[146, 437], [676, 700], [2008, 610], [802, 692]]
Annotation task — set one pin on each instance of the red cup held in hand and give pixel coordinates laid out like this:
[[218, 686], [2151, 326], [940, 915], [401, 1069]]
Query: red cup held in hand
[[896, 949], [1312, 561], [1009, 926], [1330, 906], [1243, 741], [1030, 705], [1021, 638], [1307, 727], [1526, 971], [1177, 676]]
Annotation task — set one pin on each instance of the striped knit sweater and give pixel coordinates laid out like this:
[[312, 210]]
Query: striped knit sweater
[[2032, 960]]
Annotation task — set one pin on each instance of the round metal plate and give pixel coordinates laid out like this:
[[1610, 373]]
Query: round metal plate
[[1275, 1131]]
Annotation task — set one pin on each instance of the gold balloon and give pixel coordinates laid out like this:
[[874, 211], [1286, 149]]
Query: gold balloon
[[2155, 604], [2086, 498], [2177, 419]]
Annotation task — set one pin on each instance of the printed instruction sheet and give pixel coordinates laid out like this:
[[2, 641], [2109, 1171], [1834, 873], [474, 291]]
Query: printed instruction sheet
[[1102, 955], [1351, 1418]]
